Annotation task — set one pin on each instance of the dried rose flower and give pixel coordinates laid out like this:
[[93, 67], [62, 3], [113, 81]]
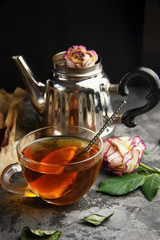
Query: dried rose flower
[[122, 155], [78, 56]]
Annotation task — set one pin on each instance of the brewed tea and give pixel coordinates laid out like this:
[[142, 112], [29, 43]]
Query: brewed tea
[[53, 178]]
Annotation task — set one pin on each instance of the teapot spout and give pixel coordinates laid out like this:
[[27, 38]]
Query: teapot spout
[[35, 89]]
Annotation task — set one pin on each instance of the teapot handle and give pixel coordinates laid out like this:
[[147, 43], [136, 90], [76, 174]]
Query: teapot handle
[[152, 98]]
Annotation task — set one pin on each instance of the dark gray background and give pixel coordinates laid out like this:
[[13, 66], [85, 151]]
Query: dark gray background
[[124, 33]]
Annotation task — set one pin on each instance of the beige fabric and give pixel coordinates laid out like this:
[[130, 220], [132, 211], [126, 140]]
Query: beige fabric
[[11, 111]]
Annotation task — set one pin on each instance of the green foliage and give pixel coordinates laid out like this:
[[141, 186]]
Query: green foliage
[[117, 186], [121, 185], [96, 219], [151, 186], [30, 234]]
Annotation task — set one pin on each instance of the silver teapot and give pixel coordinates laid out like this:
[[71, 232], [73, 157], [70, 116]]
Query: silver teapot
[[81, 96]]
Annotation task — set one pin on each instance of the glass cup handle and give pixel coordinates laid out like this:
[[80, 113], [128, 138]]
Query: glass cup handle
[[8, 186]]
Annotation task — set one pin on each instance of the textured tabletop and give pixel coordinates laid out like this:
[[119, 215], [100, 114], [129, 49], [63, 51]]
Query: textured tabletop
[[134, 216]]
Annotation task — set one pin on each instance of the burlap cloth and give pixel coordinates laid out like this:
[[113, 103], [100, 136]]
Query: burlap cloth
[[12, 125]]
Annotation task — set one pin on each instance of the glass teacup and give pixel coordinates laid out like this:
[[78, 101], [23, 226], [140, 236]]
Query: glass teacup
[[49, 160]]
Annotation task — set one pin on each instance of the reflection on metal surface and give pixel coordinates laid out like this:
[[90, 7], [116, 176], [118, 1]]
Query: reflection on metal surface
[[81, 96]]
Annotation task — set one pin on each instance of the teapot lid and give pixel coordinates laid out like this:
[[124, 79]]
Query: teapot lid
[[60, 67]]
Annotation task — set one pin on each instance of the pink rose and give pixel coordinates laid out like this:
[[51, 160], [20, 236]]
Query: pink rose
[[122, 155], [78, 56]]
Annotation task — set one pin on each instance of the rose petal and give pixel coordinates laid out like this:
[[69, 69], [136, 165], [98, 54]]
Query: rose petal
[[122, 155], [122, 145], [140, 145], [133, 162], [114, 162], [78, 56]]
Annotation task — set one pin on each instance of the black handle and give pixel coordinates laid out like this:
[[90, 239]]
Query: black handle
[[152, 98]]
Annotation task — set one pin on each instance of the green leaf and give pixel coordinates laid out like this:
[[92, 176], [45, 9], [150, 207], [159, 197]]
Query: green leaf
[[30, 234], [141, 169], [96, 219], [151, 186], [121, 185], [147, 152]]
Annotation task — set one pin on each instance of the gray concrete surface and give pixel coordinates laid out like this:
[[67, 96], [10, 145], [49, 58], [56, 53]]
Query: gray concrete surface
[[134, 216]]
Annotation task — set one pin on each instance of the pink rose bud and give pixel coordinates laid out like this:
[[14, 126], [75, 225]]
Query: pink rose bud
[[122, 155], [78, 56]]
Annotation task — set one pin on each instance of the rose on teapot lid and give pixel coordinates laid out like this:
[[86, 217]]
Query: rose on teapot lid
[[79, 56]]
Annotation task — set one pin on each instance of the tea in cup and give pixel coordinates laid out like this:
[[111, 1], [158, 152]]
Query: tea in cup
[[52, 166]]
